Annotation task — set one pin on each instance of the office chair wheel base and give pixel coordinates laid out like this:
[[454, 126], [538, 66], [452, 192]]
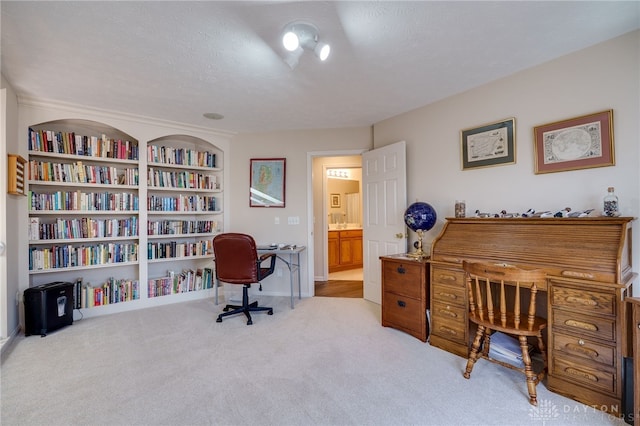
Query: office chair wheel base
[[249, 322], [270, 312], [219, 319]]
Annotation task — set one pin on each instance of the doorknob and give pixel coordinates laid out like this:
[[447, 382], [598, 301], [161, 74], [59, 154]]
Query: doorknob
[[399, 235]]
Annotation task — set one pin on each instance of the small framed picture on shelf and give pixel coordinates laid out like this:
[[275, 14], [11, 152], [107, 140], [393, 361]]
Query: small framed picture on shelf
[[576, 143], [488, 145], [335, 201], [267, 182]]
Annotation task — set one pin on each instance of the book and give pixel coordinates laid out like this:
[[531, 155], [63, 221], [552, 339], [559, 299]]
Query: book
[[507, 349]]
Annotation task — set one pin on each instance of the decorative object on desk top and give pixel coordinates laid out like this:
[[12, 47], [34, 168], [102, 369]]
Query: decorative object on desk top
[[420, 217], [611, 207], [566, 212]]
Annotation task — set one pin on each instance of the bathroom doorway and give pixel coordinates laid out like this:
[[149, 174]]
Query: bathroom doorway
[[338, 226]]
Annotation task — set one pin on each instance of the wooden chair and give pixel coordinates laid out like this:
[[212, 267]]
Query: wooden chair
[[487, 284]]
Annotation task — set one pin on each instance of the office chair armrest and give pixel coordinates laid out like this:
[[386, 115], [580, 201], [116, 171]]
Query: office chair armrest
[[265, 256], [264, 272]]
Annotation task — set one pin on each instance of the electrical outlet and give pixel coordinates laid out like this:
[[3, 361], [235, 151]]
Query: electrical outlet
[[276, 220]]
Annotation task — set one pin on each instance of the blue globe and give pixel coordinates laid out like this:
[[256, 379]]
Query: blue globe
[[420, 216]]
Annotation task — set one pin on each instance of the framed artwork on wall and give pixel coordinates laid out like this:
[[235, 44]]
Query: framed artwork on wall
[[488, 145], [576, 143], [335, 201], [267, 182]]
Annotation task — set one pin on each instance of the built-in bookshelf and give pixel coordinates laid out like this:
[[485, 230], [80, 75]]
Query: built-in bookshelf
[[118, 216], [184, 213], [184, 281]]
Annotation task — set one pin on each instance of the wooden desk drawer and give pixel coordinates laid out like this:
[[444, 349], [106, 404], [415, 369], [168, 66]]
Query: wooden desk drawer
[[582, 300], [584, 348], [594, 378], [403, 278], [404, 313], [450, 330], [583, 325], [449, 312], [351, 233], [448, 277], [448, 294]]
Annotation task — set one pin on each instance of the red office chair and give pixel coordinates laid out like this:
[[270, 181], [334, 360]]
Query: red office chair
[[237, 262]]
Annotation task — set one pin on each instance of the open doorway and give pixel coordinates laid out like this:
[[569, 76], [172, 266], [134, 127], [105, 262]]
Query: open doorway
[[338, 226]]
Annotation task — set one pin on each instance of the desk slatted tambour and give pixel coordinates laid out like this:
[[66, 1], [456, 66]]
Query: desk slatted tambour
[[588, 261]]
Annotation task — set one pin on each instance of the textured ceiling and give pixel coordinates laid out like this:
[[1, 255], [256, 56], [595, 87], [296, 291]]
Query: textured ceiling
[[176, 60]]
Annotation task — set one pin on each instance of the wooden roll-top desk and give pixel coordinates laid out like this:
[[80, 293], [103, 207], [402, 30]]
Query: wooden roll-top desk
[[588, 262]]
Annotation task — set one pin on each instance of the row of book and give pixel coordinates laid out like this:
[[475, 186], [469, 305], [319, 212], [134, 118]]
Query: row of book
[[180, 156], [174, 249], [81, 201], [181, 179], [183, 282], [91, 146], [111, 291], [69, 256], [85, 227], [181, 227], [181, 203], [77, 172]]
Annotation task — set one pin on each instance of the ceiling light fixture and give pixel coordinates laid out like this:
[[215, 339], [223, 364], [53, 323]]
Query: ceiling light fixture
[[299, 36]]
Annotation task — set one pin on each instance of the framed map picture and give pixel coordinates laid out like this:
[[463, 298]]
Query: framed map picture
[[577, 143], [492, 144], [267, 182]]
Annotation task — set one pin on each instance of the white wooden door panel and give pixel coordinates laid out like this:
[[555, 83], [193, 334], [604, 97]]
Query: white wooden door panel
[[384, 198]]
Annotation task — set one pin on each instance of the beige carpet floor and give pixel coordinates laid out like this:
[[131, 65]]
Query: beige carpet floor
[[326, 362]]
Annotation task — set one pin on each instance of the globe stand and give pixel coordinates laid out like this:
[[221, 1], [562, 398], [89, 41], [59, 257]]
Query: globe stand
[[419, 253]]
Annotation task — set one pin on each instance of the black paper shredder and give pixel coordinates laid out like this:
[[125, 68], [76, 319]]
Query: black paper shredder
[[48, 307]]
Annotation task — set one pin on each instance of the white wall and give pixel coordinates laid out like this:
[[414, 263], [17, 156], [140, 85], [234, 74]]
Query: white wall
[[14, 205], [260, 222], [605, 76]]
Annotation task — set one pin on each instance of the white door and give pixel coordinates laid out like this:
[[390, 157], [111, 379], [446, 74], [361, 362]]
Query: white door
[[384, 187]]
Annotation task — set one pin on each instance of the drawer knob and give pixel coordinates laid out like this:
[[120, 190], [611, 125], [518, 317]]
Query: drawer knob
[[401, 270], [581, 342], [402, 303]]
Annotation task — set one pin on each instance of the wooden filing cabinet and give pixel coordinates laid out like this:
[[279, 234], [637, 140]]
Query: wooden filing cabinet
[[405, 294]]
